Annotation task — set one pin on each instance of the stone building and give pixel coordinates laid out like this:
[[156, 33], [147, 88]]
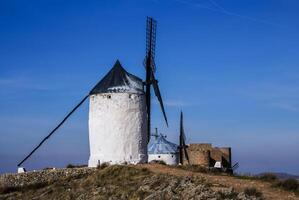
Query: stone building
[[206, 155]]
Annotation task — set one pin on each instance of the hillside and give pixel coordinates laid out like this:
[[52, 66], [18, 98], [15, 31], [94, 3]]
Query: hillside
[[282, 175], [151, 181]]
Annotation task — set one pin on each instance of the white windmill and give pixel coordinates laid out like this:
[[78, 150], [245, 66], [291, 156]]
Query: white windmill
[[117, 119], [120, 112]]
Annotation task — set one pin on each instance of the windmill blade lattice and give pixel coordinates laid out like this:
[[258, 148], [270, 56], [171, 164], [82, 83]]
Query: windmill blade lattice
[[151, 27]]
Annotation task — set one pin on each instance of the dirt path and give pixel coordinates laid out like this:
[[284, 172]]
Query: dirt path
[[239, 184]]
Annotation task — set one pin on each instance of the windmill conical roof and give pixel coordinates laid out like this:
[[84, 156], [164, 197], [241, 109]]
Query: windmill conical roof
[[118, 80], [162, 146]]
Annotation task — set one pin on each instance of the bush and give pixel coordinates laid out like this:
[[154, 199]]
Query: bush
[[9, 189], [103, 165], [252, 192], [289, 184], [5, 190], [246, 176], [161, 162], [70, 166], [47, 168], [75, 166], [194, 168], [269, 177], [230, 194]]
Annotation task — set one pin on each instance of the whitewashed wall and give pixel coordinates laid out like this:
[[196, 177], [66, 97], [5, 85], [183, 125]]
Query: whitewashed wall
[[117, 128], [169, 159]]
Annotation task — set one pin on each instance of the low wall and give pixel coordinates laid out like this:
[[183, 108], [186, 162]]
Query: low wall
[[43, 176]]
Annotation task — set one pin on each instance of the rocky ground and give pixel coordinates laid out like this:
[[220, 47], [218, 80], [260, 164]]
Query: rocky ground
[[120, 182]]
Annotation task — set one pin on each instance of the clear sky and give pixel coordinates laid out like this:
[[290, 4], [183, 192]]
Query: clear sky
[[232, 66]]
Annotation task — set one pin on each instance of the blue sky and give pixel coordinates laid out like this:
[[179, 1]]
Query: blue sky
[[231, 66]]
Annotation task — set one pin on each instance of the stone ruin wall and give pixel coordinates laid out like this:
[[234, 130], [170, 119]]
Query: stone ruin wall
[[206, 155]]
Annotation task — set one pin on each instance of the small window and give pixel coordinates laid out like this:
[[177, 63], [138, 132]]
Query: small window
[[131, 96], [159, 156]]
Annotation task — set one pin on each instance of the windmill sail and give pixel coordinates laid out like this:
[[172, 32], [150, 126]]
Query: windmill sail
[[182, 147], [150, 67], [158, 95], [235, 166]]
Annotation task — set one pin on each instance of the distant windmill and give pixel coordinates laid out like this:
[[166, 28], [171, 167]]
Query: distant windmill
[[183, 147], [156, 134], [120, 112], [150, 67]]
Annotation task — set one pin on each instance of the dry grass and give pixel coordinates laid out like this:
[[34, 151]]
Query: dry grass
[[115, 182], [121, 182], [103, 165], [252, 192], [289, 185], [5, 190], [138, 182], [268, 177]]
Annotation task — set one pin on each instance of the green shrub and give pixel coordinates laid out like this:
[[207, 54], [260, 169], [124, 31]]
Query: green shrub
[[194, 168], [246, 176], [145, 170], [269, 177], [5, 190], [75, 166], [70, 166], [227, 195], [289, 184], [215, 170], [9, 189], [252, 192], [48, 168], [161, 162], [103, 165]]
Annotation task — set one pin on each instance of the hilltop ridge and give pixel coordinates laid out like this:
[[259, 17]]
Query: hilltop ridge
[[149, 181]]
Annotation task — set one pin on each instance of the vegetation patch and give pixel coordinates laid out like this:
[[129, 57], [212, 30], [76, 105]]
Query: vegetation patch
[[193, 168], [161, 162], [9, 189], [119, 182], [75, 166], [252, 192], [268, 177], [103, 165], [230, 194], [289, 185], [202, 169]]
